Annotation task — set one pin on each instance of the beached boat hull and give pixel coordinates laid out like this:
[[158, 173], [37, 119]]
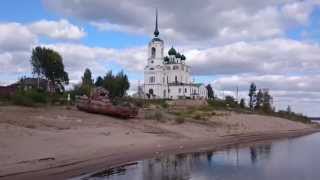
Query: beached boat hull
[[107, 108]]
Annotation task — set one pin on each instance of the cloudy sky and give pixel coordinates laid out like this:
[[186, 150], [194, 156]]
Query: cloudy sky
[[230, 43]]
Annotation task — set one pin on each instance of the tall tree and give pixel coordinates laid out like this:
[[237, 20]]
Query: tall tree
[[242, 103], [99, 81], [289, 111], [36, 62], [267, 102], [259, 100], [87, 82], [87, 77], [49, 63], [210, 92], [252, 95], [123, 83]]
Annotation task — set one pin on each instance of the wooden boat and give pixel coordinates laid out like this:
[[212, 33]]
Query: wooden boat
[[99, 103]]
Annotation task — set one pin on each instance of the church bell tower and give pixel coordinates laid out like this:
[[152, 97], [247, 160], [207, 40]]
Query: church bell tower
[[155, 48]]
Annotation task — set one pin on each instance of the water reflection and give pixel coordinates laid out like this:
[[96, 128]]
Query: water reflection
[[265, 161]]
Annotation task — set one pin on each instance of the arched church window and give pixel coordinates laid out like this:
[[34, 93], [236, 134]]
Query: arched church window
[[185, 90], [176, 79], [153, 52]]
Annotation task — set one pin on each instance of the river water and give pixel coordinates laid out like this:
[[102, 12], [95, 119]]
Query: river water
[[290, 159]]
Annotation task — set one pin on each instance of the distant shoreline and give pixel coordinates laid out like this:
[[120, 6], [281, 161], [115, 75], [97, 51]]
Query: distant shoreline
[[73, 169]]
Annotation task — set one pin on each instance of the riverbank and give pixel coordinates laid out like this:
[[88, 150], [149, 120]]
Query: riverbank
[[55, 143]]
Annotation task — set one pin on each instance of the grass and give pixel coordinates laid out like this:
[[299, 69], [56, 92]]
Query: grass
[[34, 98], [155, 115], [179, 119]]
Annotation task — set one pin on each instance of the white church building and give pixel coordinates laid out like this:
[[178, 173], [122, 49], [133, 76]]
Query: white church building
[[168, 77]]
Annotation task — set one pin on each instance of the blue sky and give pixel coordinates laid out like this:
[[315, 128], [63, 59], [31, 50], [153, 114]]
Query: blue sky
[[227, 44]]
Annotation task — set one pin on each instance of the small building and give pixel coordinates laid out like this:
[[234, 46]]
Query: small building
[[28, 84], [6, 91]]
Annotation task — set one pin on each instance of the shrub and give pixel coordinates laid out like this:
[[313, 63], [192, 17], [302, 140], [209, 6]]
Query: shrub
[[197, 117], [154, 115], [20, 99], [158, 115], [30, 98], [179, 120]]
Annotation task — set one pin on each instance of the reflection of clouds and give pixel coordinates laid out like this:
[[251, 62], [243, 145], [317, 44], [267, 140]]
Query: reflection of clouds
[[294, 159]]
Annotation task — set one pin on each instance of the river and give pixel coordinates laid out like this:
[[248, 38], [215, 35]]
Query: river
[[289, 159]]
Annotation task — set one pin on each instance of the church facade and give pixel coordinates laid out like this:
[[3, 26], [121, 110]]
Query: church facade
[[168, 77]]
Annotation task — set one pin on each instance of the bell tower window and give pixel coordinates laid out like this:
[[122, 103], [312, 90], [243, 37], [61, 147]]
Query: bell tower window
[[153, 52]]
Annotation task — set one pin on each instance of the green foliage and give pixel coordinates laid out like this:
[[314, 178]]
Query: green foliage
[[218, 104], [252, 95], [266, 104], [210, 92], [179, 119], [49, 63], [242, 103], [230, 101], [157, 102], [292, 116], [30, 98], [87, 82], [99, 82], [116, 85], [259, 100], [154, 115], [87, 77]]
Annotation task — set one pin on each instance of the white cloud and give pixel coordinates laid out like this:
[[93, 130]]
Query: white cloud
[[299, 12], [274, 56], [210, 21], [15, 37], [61, 29]]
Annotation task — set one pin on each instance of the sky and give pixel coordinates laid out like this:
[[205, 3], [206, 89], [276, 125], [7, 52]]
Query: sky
[[229, 44]]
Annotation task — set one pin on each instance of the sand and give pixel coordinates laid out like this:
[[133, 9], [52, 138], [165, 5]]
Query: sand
[[56, 143]]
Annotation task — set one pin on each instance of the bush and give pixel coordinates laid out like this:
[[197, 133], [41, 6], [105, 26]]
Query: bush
[[158, 115], [197, 117], [159, 102], [154, 115], [30, 98], [179, 120]]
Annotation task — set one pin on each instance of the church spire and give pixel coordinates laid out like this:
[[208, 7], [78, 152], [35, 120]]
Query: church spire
[[156, 31]]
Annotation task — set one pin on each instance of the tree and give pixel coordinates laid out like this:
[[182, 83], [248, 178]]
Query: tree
[[259, 100], [210, 92], [267, 101], [99, 81], [123, 83], [252, 95], [242, 103], [230, 100], [49, 63], [87, 82], [116, 85], [289, 110], [87, 77]]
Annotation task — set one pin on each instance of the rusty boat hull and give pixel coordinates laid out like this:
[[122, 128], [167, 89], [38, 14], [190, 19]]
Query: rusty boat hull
[[106, 108]]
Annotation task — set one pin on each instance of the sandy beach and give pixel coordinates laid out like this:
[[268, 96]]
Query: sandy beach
[[56, 143]]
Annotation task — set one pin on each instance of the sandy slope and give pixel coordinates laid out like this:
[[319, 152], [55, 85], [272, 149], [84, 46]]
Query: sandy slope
[[40, 138]]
